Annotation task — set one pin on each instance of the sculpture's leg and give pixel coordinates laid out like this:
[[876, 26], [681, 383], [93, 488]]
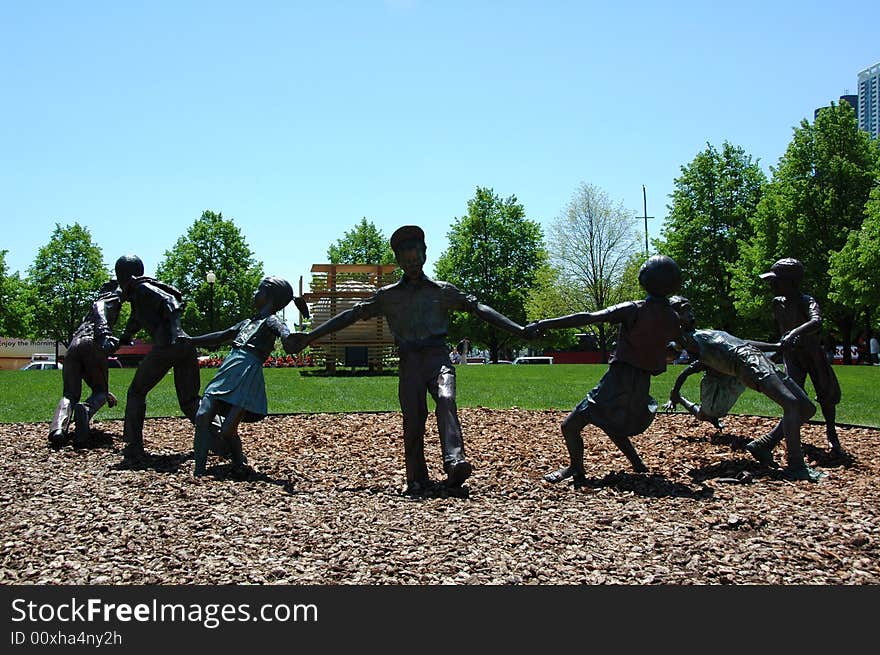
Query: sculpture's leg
[[60, 421], [572, 426], [829, 412], [151, 370], [456, 466], [203, 434], [412, 394], [626, 447], [187, 381]]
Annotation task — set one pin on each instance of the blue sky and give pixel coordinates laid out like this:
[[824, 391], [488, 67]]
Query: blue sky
[[296, 119]]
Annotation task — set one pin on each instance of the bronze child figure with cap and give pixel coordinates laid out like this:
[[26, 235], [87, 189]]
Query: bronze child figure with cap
[[417, 310], [621, 404], [86, 361], [799, 321], [238, 390], [727, 356]]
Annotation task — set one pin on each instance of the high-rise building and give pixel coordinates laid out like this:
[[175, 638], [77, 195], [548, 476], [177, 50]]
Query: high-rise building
[[869, 100], [851, 100]]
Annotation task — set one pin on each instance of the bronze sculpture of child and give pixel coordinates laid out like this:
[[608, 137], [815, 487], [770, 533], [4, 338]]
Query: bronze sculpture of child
[[238, 389], [731, 356], [621, 404], [417, 310], [86, 361], [799, 320]]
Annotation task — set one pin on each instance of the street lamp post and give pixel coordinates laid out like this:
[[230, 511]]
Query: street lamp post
[[211, 279]]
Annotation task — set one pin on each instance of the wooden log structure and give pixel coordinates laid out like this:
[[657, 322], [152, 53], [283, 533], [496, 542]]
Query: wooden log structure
[[337, 287]]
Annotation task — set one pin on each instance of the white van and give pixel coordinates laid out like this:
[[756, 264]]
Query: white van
[[41, 366], [533, 360]]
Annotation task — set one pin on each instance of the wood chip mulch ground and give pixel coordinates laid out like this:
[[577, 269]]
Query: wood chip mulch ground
[[326, 506]]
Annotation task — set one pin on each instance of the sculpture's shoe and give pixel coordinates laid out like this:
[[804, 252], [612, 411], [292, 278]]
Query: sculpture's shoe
[[640, 467], [761, 454], [134, 455], [81, 423], [802, 473], [58, 438], [417, 487], [458, 472], [579, 480]]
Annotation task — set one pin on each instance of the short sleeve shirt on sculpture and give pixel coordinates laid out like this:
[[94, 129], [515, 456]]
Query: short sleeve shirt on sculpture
[[794, 312], [416, 310]]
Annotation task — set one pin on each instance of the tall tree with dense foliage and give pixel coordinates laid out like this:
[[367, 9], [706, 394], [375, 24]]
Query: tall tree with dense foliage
[[494, 254], [855, 270], [212, 244], [363, 244], [816, 197], [64, 278], [16, 309], [712, 202], [549, 296], [591, 243]]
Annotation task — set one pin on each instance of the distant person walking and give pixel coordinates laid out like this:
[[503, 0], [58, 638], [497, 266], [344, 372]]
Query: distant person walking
[[875, 350], [464, 349]]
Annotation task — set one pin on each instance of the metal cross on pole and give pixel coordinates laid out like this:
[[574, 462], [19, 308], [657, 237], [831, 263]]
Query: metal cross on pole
[[646, 217]]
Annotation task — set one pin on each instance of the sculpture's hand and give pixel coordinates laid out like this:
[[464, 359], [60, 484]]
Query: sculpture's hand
[[295, 341], [788, 341], [109, 344], [776, 357], [533, 330], [669, 406]]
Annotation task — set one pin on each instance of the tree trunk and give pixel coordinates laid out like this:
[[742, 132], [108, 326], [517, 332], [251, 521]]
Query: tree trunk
[[603, 347]]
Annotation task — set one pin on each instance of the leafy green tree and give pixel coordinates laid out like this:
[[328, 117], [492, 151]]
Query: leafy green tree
[[16, 308], [628, 287], [363, 244], [591, 243], [712, 201], [65, 278], [816, 197], [549, 296], [494, 254], [212, 244], [855, 270]]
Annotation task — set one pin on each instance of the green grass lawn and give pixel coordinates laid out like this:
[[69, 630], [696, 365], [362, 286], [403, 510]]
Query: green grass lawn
[[31, 396]]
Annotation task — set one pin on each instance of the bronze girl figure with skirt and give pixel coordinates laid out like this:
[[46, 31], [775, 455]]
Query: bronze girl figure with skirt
[[238, 390]]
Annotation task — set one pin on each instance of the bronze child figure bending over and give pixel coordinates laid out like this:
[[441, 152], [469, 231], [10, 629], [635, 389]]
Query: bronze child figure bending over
[[728, 355], [86, 361]]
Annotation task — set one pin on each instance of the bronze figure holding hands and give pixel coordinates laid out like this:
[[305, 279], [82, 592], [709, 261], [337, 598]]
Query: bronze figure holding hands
[[417, 310]]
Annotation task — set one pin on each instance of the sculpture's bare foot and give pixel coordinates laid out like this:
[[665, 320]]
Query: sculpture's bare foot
[[639, 467], [560, 475]]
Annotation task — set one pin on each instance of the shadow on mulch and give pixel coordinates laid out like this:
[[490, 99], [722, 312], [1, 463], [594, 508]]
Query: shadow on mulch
[[736, 470], [828, 459], [653, 486], [157, 463], [226, 472]]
